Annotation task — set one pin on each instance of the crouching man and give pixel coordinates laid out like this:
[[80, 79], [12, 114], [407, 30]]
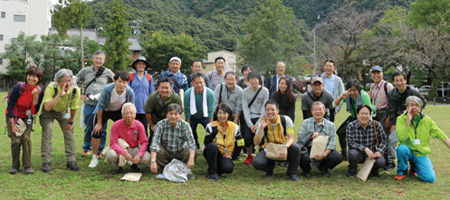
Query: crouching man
[[173, 139], [132, 132]]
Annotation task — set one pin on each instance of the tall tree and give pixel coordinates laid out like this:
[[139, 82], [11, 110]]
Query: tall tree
[[271, 34], [72, 13], [342, 31], [161, 47], [436, 13], [117, 34]]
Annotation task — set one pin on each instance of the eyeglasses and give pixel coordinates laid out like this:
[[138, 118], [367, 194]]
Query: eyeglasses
[[66, 81], [128, 113]]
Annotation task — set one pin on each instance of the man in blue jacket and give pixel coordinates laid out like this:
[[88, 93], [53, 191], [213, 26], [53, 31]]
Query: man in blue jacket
[[109, 106], [272, 81]]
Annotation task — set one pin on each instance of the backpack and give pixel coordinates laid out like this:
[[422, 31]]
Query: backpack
[[149, 78], [21, 90], [283, 123]]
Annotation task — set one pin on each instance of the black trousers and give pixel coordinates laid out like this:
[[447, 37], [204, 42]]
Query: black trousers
[[355, 157], [333, 159], [261, 162], [112, 115], [216, 162], [143, 120]]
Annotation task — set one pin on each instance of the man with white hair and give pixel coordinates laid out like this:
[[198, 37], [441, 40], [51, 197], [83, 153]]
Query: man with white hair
[[60, 102], [414, 130], [132, 132]]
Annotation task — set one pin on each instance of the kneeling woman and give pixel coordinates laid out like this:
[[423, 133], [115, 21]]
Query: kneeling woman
[[223, 142]]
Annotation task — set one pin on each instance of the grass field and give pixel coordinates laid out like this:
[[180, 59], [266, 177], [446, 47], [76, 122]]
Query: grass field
[[244, 183]]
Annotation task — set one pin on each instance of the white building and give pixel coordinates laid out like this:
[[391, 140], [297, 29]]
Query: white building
[[230, 61], [33, 17]]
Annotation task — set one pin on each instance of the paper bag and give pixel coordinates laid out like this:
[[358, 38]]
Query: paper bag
[[365, 169], [131, 177], [319, 144]]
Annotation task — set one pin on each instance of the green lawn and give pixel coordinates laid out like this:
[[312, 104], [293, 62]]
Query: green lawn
[[244, 183]]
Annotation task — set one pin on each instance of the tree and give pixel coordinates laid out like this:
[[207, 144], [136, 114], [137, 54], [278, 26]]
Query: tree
[[21, 52], [161, 47], [75, 13], [117, 34], [342, 31], [271, 34], [435, 13]]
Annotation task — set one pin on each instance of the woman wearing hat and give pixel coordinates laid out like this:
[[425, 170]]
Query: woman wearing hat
[[142, 84]]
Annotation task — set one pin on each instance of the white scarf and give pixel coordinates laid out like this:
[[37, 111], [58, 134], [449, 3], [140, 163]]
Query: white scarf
[[194, 107]]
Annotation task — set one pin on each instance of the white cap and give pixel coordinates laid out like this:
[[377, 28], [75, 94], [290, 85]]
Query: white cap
[[175, 59]]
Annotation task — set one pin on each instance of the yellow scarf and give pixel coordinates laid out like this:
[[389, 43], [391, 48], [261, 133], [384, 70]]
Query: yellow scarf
[[227, 141]]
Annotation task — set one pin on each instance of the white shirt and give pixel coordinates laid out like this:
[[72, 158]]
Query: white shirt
[[116, 101]]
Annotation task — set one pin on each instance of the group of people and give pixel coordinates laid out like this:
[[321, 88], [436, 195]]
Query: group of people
[[237, 114]]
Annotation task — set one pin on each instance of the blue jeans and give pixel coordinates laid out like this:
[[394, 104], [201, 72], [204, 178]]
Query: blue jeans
[[89, 121], [423, 165], [194, 122]]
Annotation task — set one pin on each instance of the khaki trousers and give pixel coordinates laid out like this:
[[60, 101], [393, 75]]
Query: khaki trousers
[[17, 142], [46, 120], [112, 157], [164, 157]]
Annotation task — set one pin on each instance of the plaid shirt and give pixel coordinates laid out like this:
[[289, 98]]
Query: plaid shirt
[[359, 139], [174, 139], [309, 126]]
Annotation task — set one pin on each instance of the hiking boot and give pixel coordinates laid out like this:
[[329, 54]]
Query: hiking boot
[[214, 177], [46, 167], [306, 174], [72, 165], [325, 172], [249, 160], [350, 174], [13, 171], [135, 168], [116, 171], [29, 170], [389, 166], [293, 177]]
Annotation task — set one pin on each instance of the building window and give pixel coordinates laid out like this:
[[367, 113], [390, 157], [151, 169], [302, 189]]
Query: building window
[[19, 18], [1, 37], [3, 14]]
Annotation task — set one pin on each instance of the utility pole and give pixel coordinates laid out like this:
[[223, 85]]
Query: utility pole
[[314, 36]]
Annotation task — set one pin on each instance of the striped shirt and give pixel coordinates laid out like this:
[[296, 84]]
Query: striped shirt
[[174, 139], [359, 139]]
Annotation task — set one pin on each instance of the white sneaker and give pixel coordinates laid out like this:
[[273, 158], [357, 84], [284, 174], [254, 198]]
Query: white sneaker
[[94, 161], [160, 176]]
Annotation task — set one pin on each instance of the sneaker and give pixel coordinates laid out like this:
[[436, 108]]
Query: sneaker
[[72, 165], [116, 171], [94, 161], [160, 176], [238, 158], [29, 170], [399, 177], [249, 160], [412, 171], [269, 173], [389, 166], [293, 177], [214, 177], [85, 153], [325, 172], [46, 167], [13, 171]]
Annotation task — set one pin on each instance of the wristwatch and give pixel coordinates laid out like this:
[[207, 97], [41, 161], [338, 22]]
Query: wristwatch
[[325, 155], [285, 145], [70, 123], [153, 160]]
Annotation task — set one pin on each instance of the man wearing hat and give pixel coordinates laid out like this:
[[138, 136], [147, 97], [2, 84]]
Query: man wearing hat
[[142, 84], [92, 80], [178, 79], [317, 93], [379, 96]]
